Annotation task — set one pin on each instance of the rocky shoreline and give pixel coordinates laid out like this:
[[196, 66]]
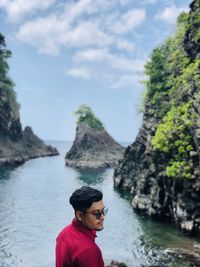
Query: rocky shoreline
[[29, 146], [165, 259]]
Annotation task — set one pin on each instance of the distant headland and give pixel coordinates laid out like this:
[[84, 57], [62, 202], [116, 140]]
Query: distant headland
[[16, 145]]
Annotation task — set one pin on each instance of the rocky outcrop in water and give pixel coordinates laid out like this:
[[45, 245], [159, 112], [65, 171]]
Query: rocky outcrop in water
[[16, 145], [93, 149], [161, 168]]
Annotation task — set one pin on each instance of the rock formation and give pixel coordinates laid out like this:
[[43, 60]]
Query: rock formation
[[162, 167], [93, 147], [16, 145], [28, 146]]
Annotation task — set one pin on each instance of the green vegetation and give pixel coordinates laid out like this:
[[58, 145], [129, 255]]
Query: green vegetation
[[172, 137], [4, 55], [5, 82], [172, 88], [165, 67], [85, 114]]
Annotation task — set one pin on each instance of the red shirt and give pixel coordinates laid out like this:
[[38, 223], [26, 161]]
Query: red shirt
[[76, 247]]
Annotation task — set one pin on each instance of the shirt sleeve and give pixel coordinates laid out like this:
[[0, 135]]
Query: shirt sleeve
[[90, 257], [60, 253]]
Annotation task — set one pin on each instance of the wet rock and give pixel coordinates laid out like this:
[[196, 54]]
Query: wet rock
[[116, 264], [188, 255]]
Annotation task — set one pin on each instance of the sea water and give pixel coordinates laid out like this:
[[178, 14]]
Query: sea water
[[34, 207]]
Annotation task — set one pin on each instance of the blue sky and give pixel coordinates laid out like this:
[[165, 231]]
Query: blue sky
[[73, 52]]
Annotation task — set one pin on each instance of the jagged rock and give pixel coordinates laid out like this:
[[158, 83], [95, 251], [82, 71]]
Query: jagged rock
[[29, 146], [93, 148]]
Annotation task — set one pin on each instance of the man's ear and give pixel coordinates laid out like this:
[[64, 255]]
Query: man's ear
[[79, 215]]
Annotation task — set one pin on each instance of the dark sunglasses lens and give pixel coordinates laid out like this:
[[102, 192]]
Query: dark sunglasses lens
[[98, 214]]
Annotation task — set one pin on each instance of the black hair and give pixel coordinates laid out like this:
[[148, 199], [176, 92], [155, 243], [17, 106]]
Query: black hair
[[82, 198]]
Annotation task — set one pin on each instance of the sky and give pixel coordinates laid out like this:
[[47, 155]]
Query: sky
[[92, 52]]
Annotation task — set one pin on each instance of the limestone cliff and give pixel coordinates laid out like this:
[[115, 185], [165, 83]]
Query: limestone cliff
[[93, 147], [162, 167], [16, 145]]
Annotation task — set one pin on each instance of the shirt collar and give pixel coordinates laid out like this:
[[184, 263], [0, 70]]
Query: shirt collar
[[80, 227]]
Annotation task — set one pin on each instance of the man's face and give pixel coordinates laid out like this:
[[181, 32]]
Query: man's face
[[93, 218]]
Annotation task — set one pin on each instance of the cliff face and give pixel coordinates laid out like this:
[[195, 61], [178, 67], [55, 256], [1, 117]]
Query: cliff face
[[16, 145], [162, 167], [9, 113], [93, 148], [192, 40]]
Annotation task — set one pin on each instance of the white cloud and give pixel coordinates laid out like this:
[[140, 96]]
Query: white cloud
[[117, 62], [124, 2], [18, 8], [125, 64], [149, 1], [79, 73], [128, 21], [91, 55], [129, 80], [90, 29], [75, 26], [87, 33], [50, 33], [125, 45], [91, 7], [74, 11], [170, 14], [46, 34]]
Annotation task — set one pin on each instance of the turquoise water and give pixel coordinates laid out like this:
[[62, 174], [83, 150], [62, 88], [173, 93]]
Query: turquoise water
[[34, 208]]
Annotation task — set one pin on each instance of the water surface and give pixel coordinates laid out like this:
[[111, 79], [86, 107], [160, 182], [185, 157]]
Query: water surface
[[34, 208]]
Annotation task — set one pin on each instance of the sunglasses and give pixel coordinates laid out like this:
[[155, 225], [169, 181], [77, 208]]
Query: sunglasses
[[97, 213]]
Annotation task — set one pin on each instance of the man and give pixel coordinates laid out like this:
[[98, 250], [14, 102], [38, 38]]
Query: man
[[76, 242]]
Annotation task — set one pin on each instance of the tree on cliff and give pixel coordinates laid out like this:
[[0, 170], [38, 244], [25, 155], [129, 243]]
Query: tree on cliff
[[85, 114], [5, 81], [4, 55]]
